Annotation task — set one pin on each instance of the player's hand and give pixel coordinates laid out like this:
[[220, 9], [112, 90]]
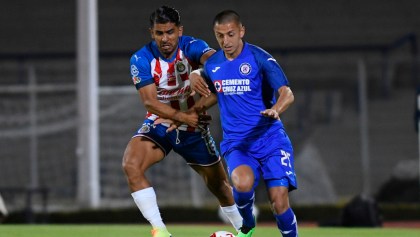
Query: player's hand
[[172, 124], [189, 117], [199, 85], [204, 121], [270, 113]]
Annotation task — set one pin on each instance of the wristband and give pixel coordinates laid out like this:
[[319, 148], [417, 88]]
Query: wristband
[[197, 72]]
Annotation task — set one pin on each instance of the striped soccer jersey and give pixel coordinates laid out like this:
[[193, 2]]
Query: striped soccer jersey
[[171, 76]]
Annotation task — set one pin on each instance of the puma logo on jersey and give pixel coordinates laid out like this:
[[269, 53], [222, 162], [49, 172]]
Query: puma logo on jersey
[[215, 69]]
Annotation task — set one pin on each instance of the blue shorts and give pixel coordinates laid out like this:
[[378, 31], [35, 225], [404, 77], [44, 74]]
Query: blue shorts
[[270, 156], [197, 148]]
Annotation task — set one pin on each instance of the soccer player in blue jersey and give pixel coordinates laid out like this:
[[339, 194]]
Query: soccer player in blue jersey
[[160, 72], [245, 79]]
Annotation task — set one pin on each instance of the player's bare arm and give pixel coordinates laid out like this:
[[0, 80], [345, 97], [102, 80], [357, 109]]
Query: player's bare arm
[[201, 105], [204, 103], [198, 84], [285, 99], [206, 56], [148, 95]]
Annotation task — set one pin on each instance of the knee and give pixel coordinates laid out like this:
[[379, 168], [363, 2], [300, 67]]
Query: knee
[[279, 206], [243, 180], [131, 165], [280, 202], [243, 186], [128, 165]]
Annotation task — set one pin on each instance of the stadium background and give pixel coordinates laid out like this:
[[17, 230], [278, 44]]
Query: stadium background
[[324, 48]]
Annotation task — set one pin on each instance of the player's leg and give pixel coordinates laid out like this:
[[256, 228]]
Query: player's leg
[[199, 151], [278, 171], [279, 199], [140, 154], [244, 182], [217, 182]]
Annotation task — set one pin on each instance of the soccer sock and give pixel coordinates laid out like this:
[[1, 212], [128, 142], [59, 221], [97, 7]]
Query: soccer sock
[[287, 224], [232, 213], [145, 200], [3, 209], [245, 202]]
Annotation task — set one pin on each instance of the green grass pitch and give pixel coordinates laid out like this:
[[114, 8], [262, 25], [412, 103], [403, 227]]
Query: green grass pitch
[[193, 230]]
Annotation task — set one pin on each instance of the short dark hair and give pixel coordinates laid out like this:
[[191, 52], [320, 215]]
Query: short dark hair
[[165, 14], [227, 16]]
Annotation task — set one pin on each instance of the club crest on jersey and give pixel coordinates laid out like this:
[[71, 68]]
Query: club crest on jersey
[[145, 128], [245, 68], [134, 71], [136, 80], [218, 86], [180, 67]]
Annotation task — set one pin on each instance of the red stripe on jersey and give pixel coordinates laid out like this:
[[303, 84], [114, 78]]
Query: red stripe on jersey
[[190, 129], [175, 104], [190, 101], [184, 76], [171, 74], [157, 74], [178, 55]]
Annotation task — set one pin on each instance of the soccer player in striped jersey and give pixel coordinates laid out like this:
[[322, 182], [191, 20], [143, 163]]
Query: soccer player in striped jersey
[[160, 72], [245, 78]]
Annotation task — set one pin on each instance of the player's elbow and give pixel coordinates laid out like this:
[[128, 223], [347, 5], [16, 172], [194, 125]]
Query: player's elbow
[[149, 105], [291, 97], [288, 94]]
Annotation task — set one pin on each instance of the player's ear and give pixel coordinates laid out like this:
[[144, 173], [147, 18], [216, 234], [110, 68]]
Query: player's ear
[[242, 31], [180, 30]]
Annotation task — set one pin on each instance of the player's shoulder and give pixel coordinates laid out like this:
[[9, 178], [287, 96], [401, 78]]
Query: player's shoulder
[[186, 40], [261, 55], [216, 57], [143, 54], [258, 51], [190, 44]]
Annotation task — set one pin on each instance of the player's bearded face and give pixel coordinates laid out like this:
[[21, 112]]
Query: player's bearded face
[[229, 36], [166, 37]]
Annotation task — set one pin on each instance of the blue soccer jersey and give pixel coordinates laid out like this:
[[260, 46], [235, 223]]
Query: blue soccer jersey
[[245, 86]]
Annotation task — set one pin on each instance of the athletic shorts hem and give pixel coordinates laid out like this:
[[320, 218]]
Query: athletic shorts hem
[[206, 165], [151, 139]]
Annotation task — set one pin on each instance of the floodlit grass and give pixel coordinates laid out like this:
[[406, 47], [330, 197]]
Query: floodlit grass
[[188, 231]]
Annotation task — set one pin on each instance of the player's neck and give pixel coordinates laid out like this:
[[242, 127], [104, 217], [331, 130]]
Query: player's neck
[[236, 53], [168, 56]]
